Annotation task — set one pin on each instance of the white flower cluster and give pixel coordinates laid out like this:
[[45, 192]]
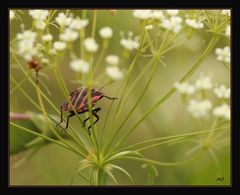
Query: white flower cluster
[[202, 107], [223, 54], [106, 32], [39, 17], [26, 43], [129, 42], [148, 14], [90, 45], [199, 108], [79, 65], [70, 28], [194, 23], [112, 70]]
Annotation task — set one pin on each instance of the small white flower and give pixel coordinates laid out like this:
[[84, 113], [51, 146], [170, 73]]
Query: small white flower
[[39, 14], [204, 82], [27, 36], [222, 92], [173, 12], [90, 45], [199, 108], [149, 27], [142, 14], [114, 72], [63, 20], [112, 59], [40, 24], [68, 35], [228, 31], [222, 111], [11, 14], [185, 88], [157, 15], [47, 37], [79, 65], [194, 23], [129, 43], [226, 12], [173, 24], [223, 54], [78, 23], [59, 45], [106, 32]]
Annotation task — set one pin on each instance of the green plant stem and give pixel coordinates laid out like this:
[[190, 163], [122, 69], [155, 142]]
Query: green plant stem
[[204, 55], [94, 23], [134, 107], [122, 86]]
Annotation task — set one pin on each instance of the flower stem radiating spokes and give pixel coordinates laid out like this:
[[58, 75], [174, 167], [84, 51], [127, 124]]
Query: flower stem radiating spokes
[[204, 55]]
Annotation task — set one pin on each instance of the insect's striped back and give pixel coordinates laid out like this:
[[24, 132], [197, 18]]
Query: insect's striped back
[[79, 99]]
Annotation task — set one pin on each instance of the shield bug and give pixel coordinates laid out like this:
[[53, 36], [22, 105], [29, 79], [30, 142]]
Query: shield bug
[[79, 100]]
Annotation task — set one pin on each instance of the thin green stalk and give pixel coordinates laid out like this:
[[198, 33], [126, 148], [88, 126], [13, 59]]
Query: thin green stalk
[[17, 85], [173, 90], [103, 51], [169, 141], [166, 163], [175, 136]]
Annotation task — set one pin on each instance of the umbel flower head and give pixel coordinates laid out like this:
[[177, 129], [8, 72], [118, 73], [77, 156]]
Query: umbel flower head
[[78, 24], [112, 59], [129, 42], [185, 88], [114, 73], [106, 32], [223, 54], [173, 24], [79, 65], [63, 20], [39, 14], [222, 92], [90, 45], [199, 108], [222, 111]]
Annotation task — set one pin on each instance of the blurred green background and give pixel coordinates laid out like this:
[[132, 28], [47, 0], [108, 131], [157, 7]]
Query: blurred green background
[[54, 165]]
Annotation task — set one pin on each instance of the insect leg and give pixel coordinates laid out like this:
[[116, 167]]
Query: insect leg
[[94, 112], [70, 115], [114, 98], [84, 122], [61, 117]]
